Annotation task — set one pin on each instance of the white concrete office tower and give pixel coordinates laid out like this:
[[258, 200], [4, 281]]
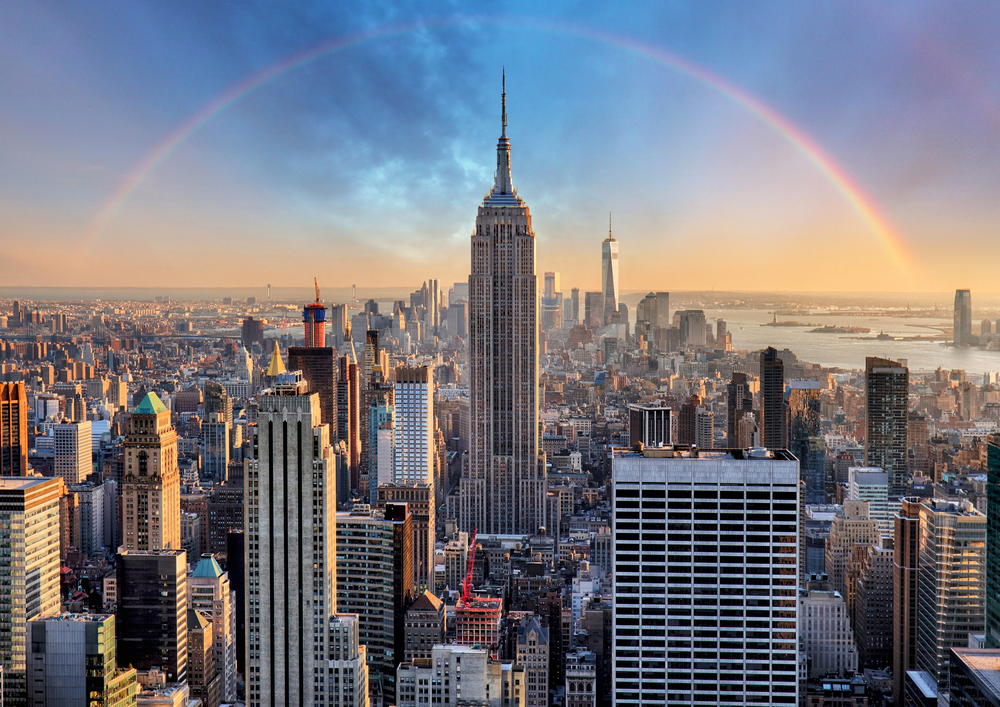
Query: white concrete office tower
[[208, 591], [503, 489], [609, 276], [825, 630], [346, 665], [468, 677], [73, 447], [413, 453], [29, 569], [290, 550], [716, 578], [870, 483]]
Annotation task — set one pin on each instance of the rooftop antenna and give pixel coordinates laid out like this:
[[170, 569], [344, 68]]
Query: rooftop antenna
[[503, 104]]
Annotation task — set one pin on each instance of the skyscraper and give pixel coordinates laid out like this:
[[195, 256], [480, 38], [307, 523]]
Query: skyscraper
[[712, 585], [13, 430], [151, 502], [29, 570], [692, 325], [252, 333], [152, 611], [739, 401], [609, 276], [951, 582], [887, 388], [290, 546], [993, 542], [649, 424], [413, 455], [774, 429], [413, 458], [320, 369], [208, 592], [314, 322], [73, 451], [381, 436], [503, 490], [215, 446], [662, 309], [349, 415], [73, 658], [422, 505], [365, 554], [905, 559], [593, 309], [804, 440], [963, 318]]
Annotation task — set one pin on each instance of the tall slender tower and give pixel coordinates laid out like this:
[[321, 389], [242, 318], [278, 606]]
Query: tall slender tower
[[290, 550], [609, 276], [151, 485], [887, 387], [774, 427], [963, 318], [504, 487]]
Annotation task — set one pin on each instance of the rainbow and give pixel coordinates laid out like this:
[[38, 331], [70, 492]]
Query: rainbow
[[795, 136]]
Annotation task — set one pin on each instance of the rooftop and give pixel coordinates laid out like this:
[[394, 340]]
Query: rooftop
[[983, 664], [208, 568], [22, 483], [426, 602], [151, 405], [682, 451], [82, 618]]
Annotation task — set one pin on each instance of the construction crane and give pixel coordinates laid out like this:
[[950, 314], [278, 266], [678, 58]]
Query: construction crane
[[316, 283], [467, 584]]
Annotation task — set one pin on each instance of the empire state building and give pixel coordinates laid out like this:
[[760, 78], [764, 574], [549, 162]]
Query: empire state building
[[503, 488]]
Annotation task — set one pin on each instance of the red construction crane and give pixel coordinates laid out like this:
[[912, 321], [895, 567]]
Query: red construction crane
[[316, 284], [467, 584]]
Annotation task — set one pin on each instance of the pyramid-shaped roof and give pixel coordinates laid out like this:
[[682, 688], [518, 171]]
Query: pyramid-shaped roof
[[151, 405], [426, 602], [277, 366], [197, 620], [207, 567]]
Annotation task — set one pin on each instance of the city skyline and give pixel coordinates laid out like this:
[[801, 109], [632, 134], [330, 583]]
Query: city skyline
[[304, 131]]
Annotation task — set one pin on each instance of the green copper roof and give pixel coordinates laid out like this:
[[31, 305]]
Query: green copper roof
[[207, 567], [151, 405]]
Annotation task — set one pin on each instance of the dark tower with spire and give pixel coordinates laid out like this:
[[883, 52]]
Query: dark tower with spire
[[503, 489]]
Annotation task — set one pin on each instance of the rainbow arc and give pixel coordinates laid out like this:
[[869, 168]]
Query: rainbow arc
[[837, 176]]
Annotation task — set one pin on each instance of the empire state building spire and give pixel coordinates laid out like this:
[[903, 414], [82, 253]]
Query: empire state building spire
[[502, 183]]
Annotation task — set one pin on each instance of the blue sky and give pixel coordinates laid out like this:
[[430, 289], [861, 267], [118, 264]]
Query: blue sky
[[366, 165]]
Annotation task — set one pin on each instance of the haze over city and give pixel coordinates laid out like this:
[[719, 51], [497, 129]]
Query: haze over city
[[834, 148]]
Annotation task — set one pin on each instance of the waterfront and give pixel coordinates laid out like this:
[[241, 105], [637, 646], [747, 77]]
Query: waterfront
[[846, 350]]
